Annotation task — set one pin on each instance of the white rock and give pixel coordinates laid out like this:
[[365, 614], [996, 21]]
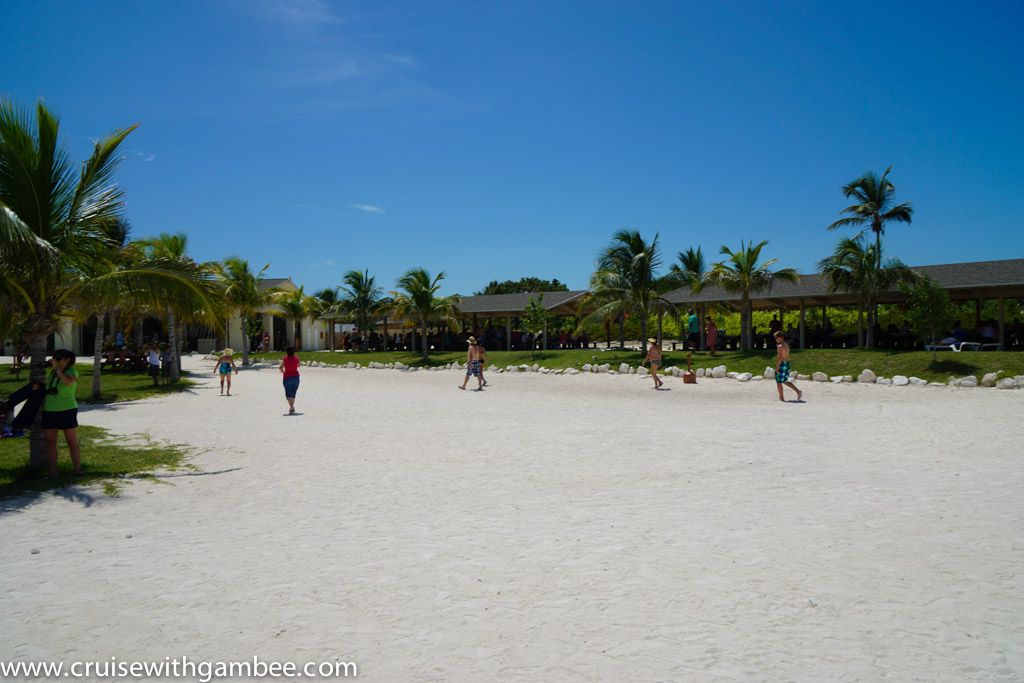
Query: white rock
[[900, 381], [1020, 379], [718, 371], [990, 379], [836, 379], [401, 366], [632, 371], [936, 384], [624, 368], [969, 381], [545, 371], [674, 371], [604, 367], [757, 378], [641, 370], [847, 378], [572, 371], [918, 382], [819, 377], [883, 380], [586, 367], [867, 377], [1007, 383], [456, 366], [699, 372], [743, 377], [535, 368], [732, 375], [390, 366], [414, 369], [769, 373], [350, 365]]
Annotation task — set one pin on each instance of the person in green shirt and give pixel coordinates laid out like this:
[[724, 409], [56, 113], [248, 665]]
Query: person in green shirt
[[60, 409]]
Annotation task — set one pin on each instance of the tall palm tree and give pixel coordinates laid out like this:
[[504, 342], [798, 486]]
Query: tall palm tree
[[626, 282], [742, 272], [326, 305], [417, 297], [56, 219], [853, 267], [690, 271], [361, 298], [172, 248], [295, 306], [874, 207], [243, 293]]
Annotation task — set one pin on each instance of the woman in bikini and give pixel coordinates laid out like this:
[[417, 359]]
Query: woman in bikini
[[654, 358], [225, 364]]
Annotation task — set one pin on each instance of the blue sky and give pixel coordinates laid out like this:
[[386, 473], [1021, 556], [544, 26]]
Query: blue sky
[[500, 140]]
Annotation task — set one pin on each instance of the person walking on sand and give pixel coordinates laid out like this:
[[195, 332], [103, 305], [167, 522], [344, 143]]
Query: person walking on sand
[[654, 358], [782, 366], [153, 362], [474, 361], [225, 364], [711, 334], [289, 368]]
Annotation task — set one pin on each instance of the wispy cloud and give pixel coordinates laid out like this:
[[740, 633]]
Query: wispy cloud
[[367, 208], [305, 12], [313, 207], [329, 263]]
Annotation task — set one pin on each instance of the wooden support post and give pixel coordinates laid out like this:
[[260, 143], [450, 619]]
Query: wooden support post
[[803, 328], [508, 333], [545, 347], [1002, 324]]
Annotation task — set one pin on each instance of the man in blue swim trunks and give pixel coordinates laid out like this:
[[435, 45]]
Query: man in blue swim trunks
[[474, 364], [782, 366]]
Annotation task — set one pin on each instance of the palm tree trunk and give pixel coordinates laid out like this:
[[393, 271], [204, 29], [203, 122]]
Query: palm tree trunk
[[700, 326], [643, 334], [177, 348], [172, 338], [37, 438], [385, 333], [860, 325], [870, 343], [622, 330], [97, 357], [747, 322], [660, 315], [138, 333], [245, 341], [423, 338]]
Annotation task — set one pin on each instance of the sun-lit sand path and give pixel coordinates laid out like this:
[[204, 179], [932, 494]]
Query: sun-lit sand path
[[550, 528]]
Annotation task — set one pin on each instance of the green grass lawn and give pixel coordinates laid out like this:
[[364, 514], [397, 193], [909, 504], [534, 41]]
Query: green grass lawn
[[116, 386], [104, 460], [829, 361]]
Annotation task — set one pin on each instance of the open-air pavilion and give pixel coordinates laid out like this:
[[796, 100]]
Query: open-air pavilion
[[977, 281], [488, 309]]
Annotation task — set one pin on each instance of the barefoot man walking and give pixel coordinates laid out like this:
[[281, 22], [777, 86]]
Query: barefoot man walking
[[475, 357], [782, 366]]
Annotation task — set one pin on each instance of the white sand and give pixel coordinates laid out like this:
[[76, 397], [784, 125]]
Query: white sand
[[549, 529]]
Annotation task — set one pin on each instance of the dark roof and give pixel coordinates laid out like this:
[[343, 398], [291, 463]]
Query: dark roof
[[277, 283], [559, 303], [976, 280]]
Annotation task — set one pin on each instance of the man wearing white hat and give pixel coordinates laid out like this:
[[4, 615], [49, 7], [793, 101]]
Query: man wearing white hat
[[474, 364]]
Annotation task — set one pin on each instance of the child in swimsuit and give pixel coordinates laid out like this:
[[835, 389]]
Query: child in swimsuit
[[782, 367], [654, 358]]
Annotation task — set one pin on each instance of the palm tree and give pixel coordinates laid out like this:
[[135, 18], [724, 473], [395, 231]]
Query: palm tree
[[326, 305], [361, 299], [56, 222], [626, 282], [742, 273], [418, 298], [243, 293], [853, 267], [691, 272], [295, 306], [172, 248], [874, 207]]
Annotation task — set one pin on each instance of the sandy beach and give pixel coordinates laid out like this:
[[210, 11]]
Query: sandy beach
[[549, 528]]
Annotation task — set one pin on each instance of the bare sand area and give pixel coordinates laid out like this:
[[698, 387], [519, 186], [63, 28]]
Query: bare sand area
[[549, 528]]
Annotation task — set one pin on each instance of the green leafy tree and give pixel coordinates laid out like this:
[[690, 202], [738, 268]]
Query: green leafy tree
[[626, 283], [743, 273], [524, 285], [854, 267], [58, 226], [929, 309], [536, 319], [296, 306], [326, 305], [417, 297], [361, 299], [244, 294], [874, 208]]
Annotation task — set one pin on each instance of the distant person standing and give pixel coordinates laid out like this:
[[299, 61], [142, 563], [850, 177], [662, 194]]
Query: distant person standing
[[266, 342], [782, 366], [153, 360], [711, 333], [693, 329], [654, 358], [60, 410], [225, 364], [474, 363], [289, 368]]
